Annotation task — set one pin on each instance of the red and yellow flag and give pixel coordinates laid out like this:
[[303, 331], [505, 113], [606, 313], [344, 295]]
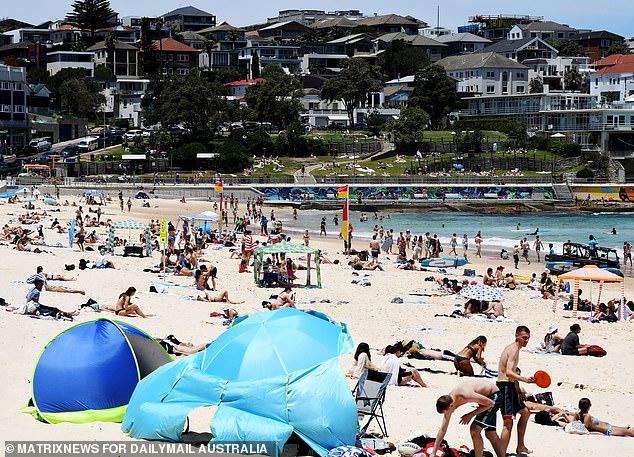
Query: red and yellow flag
[[344, 221], [342, 192], [218, 186]]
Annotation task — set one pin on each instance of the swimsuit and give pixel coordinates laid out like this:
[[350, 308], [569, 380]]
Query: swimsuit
[[511, 403], [487, 419]]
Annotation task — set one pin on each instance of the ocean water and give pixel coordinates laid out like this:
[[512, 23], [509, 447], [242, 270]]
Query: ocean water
[[498, 231]]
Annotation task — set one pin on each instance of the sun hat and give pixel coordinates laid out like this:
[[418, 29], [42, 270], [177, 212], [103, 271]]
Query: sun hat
[[553, 328]]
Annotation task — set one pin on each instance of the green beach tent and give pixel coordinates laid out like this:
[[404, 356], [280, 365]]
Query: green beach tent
[[312, 254]]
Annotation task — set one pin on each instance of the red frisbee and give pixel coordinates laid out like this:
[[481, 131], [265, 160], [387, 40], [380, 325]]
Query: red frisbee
[[542, 379]]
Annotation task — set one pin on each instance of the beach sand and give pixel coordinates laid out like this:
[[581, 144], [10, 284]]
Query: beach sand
[[608, 381]]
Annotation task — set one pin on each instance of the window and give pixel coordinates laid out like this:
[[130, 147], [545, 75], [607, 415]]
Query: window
[[519, 76], [6, 108], [519, 89], [560, 35], [490, 74], [490, 89], [182, 57], [182, 71], [6, 86], [18, 108]]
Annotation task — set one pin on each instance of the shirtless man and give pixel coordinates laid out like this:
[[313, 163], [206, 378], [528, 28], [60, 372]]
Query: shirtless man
[[375, 249], [489, 400], [512, 396]]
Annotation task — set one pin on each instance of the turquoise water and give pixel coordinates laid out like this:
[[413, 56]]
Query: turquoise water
[[497, 230]]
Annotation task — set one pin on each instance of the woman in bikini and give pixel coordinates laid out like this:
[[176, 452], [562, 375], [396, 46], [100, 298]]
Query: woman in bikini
[[593, 424], [124, 307], [473, 350], [223, 297]]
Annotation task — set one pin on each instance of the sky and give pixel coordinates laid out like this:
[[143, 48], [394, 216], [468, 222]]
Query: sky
[[616, 16]]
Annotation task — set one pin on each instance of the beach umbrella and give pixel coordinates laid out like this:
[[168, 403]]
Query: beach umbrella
[[24, 190], [593, 273], [266, 345], [273, 374], [482, 292]]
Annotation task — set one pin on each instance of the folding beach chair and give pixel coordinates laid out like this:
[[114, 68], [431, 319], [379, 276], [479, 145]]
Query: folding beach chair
[[369, 395]]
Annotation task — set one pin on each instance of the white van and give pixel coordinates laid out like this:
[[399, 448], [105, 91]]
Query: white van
[[41, 144], [88, 144]]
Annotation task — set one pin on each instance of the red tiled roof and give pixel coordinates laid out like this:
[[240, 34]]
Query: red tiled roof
[[616, 69], [615, 59], [246, 82], [65, 27], [172, 45]]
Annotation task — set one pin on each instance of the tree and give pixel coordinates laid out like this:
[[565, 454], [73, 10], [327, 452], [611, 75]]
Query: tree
[[536, 86], [232, 157], [111, 43], [408, 130], [572, 79], [352, 86], [276, 100], [37, 75], [147, 52], [402, 59], [81, 97], [566, 48], [255, 65], [104, 73], [192, 101], [434, 92], [618, 47], [375, 122], [90, 15]]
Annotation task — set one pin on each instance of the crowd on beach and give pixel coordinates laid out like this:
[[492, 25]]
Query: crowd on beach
[[189, 253]]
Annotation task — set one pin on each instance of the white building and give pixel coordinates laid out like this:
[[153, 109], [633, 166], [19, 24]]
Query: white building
[[58, 60], [433, 32], [123, 99], [614, 83], [487, 73], [552, 71]]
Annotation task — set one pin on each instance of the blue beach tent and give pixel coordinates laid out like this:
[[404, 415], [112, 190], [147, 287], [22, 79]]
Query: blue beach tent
[[88, 372], [272, 374]]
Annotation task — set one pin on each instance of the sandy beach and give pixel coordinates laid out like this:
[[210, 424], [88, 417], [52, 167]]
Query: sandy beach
[[371, 318]]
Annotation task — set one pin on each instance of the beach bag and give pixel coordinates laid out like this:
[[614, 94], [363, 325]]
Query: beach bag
[[596, 351], [545, 398], [576, 428], [27, 308]]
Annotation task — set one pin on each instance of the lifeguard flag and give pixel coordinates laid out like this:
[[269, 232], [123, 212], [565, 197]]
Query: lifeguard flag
[[344, 221], [218, 186], [342, 192]]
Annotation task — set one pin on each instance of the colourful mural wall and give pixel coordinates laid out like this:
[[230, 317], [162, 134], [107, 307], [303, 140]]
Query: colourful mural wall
[[605, 193], [407, 193]]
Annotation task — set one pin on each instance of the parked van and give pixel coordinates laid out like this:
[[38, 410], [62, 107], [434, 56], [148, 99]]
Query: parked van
[[88, 144], [41, 144]]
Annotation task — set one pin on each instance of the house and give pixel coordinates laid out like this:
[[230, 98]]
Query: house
[[125, 58], [227, 41], [64, 33], [122, 33], [614, 82], [522, 49], [487, 73], [596, 44], [350, 45], [38, 99], [32, 35], [463, 43], [310, 17], [123, 99], [283, 31], [322, 63], [397, 91], [5, 39], [552, 71], [194, 40], [188, 18], [25, 54], [175, 57], [545, 30], [58, 60], [13, 110], [434, 32], [237, 90], [496, 27], [286, 56], [435, 49], [391, 23], [337, 26]]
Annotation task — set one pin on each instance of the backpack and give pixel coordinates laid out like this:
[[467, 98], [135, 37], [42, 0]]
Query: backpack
[[596, 351]]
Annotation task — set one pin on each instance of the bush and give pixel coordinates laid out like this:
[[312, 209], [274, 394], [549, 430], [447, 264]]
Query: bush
[[585, 173], [232, 157], [564, 149], [185, 155], [498, 125]]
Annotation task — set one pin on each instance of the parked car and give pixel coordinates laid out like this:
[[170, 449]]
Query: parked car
[[578, 254], [70, 151], [41, 144], [88, 144], [133, 134], [176, 130]]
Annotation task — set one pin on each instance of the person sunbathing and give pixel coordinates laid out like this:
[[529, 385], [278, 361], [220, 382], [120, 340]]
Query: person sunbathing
[[124, 306], [552, 341], [178, 349], [473, 350], [39, 274], [488, 279], [593, 424], [416, 350], [24, 244], [495, 310], [223, 296]]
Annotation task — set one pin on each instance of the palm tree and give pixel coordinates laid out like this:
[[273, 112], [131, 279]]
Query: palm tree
[[210, 44], [111, 43], [158, 26]]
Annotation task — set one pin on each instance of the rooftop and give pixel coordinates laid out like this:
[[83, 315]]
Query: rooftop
[[171, 45], [482, 60], [246, 82], [465, 36], [388, 19], [187, 11]]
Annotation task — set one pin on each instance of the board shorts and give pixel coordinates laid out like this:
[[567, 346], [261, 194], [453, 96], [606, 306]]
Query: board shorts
[[487, 419], [511, 403], [375, 253]]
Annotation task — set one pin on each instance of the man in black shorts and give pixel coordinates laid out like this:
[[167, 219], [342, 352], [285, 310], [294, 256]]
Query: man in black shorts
[[512, 398], [489, 400]]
